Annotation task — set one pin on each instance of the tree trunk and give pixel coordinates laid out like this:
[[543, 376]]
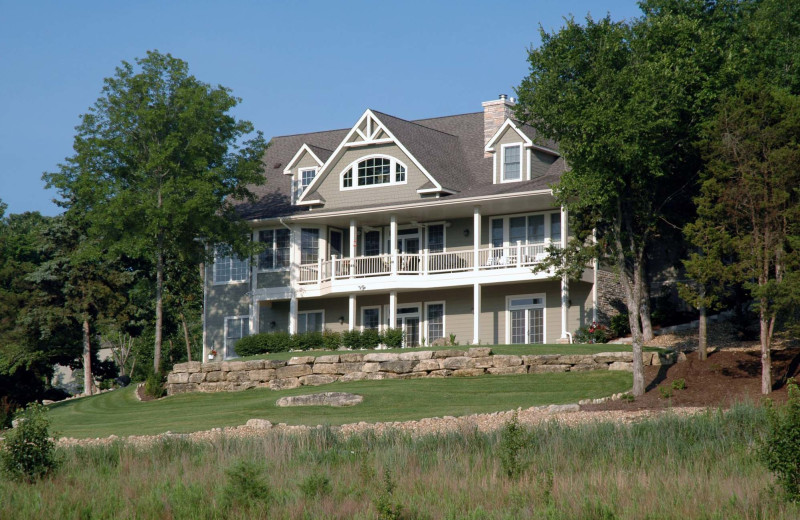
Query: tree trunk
[[87, 358], [647, 324], [634, 318], [702, 343], [186, 337], [159, 303], [766, 357]]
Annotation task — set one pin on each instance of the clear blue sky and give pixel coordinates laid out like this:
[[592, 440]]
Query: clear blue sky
[[298, 66]]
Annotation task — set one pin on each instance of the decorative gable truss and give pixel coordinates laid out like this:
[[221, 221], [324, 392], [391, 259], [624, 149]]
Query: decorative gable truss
[[528, 145], [369, 130]]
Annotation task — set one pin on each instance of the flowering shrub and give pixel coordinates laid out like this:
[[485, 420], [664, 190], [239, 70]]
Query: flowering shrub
[[592, 334]]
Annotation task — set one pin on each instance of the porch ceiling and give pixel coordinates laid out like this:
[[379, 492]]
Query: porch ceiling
[[441, 209]]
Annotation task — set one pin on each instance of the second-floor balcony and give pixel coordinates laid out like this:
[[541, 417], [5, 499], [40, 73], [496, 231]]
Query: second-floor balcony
[[423, 263]]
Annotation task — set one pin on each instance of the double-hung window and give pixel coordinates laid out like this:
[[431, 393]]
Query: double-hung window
[[372, 243], [512, 162], [309, 246], [371, 318], [310, 321], [436, 238], [229, 268], [276, 254], [435, 320], [236, 328], [555, 227]]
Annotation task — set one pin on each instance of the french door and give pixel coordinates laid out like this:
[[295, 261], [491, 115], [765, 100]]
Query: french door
[[408, 320], [525, 319]]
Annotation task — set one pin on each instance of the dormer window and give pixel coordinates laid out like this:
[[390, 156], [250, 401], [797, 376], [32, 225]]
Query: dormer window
[[305, 178], [374, 171], [512, 170]]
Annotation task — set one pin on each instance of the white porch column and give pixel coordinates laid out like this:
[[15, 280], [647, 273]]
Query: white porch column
[[393, 245], [392, 309], [564, 281], [351, 316], [476, 237], [353, 243], [476, 313], [595, 263], [293, 315]]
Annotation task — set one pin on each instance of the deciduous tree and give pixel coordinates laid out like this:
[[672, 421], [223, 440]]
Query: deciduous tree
[[158, 159]]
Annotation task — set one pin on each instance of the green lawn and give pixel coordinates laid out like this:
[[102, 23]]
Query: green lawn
[[496, 349], [119, 412]]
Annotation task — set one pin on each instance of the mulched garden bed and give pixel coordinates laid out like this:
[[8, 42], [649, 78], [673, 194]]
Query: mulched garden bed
[[725, 378]]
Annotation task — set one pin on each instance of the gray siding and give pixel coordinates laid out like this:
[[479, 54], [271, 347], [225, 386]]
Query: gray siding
[[336, 198], [540, 161], [222, 301], [272, 279]]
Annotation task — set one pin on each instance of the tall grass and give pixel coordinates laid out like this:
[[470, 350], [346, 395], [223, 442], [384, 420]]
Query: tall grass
[[665, 468]]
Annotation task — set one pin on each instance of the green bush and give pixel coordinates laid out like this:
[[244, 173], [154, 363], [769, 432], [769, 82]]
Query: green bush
[[246, 486], [511, 447], [620, 326], [331, 340], [393, 338], [593, 334], [264, 343], [154, 385], [308, 341], [780, 449], [370, 339], [679, 384], [315, 485], [351, 339], [28, 452]]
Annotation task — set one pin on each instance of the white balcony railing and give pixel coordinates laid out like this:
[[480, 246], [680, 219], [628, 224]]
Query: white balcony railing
[[424, 263]]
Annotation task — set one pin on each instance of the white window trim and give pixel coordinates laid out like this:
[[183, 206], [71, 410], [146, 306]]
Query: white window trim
[[420, 309], [380, 316], [542, 306], [503, 149], [507, 227], [444, 318], [229, 282], [301, 313], [363, 240], [354, 167], [442, 223], [321, 243], [274, 248], [225, 333]]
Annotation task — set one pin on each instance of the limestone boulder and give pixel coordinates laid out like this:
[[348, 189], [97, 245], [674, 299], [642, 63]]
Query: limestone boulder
[[326, 368], [448, 353], [212, 366], [213, 377], [416, 356], [284, 384], [259, 424], [484, 362], [334, 358], [346, 368], [545, 369], [500, 361], [254, 364], [317, 379], [351, 358], [621, 366], [468, 372], [178, 378], [321, 399], [292, 371], [353, 376], [585, 367], [371, 367], [504, 371], [380, 357], [611, 357], [479, 352], [457, 363], [440, 373], [262, 375], [541, 359], [300, 360], [274, 363], [398, 367], [426, 365], [197, 377]]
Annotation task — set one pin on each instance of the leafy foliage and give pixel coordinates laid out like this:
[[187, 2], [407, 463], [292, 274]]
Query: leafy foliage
[[154, 385], [28, 453], [780, 449], [511, 448], [594, 333], [393, 337], [246, 486]]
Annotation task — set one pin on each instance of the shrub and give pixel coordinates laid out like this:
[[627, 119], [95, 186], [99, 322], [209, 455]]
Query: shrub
[[351, 339], [780, 449], [387, 508], [593, 334], [665, 391], [154, 385], [453, 341], [308, 341], [315, 485], [620, 326], [331, 340], [246, 486], [393, 338], [370, 339], [28, 452], [511, 446], [679, 384], [264, 343]]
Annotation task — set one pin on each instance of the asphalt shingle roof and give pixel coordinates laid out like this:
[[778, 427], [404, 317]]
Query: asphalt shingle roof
[[450, 148]]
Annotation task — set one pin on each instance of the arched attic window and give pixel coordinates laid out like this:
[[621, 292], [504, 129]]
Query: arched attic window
[[373, 171]]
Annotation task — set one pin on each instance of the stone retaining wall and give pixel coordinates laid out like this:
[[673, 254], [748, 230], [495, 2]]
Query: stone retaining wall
[[229, 376]]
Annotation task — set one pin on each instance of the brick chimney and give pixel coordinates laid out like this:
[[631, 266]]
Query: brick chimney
[[495, 114]]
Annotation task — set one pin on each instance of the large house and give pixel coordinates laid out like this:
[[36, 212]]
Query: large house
[[431, 226]]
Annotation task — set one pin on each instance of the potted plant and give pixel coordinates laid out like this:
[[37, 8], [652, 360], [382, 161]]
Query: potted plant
[[212, 354]]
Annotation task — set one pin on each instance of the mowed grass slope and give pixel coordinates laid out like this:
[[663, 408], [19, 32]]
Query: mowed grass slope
[[120, 413]]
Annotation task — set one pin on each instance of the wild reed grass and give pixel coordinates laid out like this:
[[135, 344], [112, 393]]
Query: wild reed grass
[[669, 467]]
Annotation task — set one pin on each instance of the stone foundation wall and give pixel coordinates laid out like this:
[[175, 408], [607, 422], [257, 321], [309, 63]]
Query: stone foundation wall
[[228, 376], [610, 295]]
